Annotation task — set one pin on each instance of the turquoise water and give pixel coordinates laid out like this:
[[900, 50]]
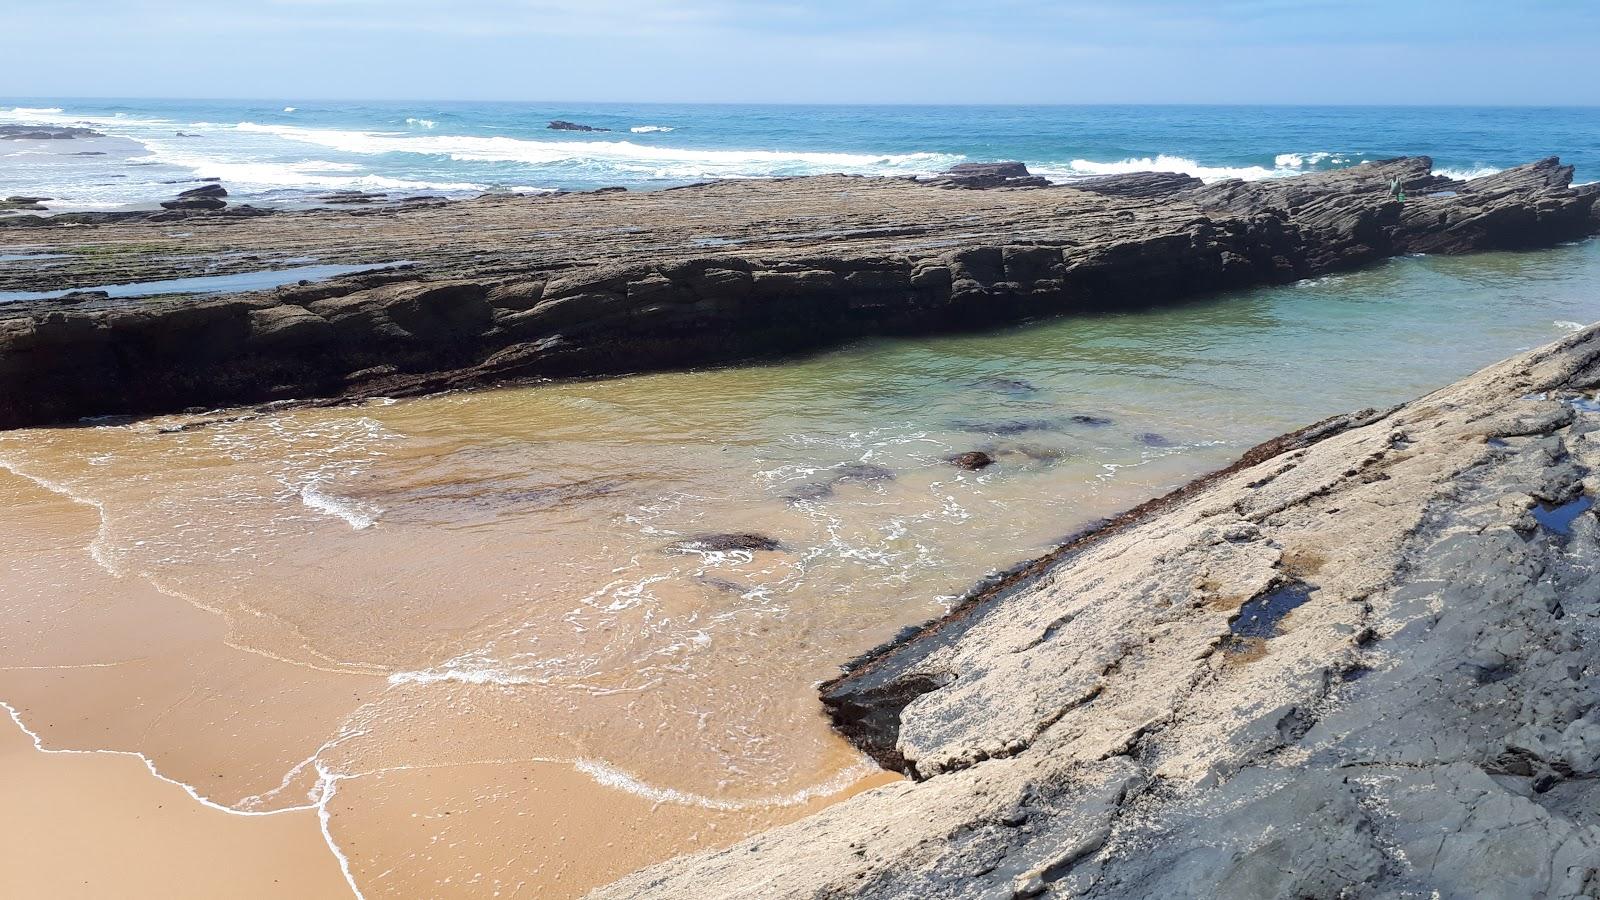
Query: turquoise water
[[287, 150]]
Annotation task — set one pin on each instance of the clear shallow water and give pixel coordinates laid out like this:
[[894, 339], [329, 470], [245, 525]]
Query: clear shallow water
[[287, 150], [492, 581]]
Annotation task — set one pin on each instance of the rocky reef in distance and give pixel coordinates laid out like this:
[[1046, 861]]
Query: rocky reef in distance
[[510, 287], [1364, 662]]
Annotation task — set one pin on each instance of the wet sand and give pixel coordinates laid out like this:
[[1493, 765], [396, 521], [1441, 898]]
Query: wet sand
[[99, 825]]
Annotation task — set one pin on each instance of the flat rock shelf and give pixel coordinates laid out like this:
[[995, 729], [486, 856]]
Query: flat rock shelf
[[513, 287]]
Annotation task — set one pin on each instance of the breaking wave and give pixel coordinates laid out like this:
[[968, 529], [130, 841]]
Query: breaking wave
[[1079, 168], [614, 157]]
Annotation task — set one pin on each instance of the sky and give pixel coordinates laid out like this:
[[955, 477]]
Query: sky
[[1490, 52]]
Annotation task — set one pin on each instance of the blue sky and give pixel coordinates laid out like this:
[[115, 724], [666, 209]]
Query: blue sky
[[930, 51]]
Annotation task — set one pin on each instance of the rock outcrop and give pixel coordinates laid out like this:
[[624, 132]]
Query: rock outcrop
[[510, 287], [206, 198], [45, 133], [1362, 662], [985, 176], [564, 125]]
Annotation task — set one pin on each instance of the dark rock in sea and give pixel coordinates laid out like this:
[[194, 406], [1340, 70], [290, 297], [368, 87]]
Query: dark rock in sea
[[208, 190], [982, 176], [564, 125], [185, 134], [1091, 421], [585, 285], [196, 204], [82, 296], [1151, 439], [1141, 185], [34, 204], [352, 197], [206, 198], [810, 492], [88, 153], [972, 460], [727, 543], [43, 133]]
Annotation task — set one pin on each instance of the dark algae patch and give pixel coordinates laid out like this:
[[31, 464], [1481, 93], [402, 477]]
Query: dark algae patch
[[1258, 618]]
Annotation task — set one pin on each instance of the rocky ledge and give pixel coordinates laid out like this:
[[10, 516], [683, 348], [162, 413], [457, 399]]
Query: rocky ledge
[[1362, 662], [510, 287]]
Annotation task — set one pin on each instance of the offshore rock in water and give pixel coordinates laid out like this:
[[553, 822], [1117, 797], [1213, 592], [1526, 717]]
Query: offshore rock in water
[[37, 133], [821, 490], [982, 176], [206, 198], [748, 542], [564, 125]]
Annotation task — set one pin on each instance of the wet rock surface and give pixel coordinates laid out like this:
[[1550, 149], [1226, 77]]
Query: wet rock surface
[[509, 288], [1355, 664]]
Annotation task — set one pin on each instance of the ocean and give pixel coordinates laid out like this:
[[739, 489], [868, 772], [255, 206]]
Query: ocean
[[289, 151]]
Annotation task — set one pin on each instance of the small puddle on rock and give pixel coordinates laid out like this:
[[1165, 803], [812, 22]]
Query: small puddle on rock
[[1559, 519], [206, 284], [1258, 618]]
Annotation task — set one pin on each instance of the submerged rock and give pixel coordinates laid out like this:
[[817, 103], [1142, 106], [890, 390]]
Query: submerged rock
[[972, 460], [748, 542]]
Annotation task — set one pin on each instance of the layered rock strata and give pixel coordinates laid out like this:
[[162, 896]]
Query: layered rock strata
[[511, 287]]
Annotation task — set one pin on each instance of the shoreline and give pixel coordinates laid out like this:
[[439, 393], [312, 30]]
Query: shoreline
[[614, 283], [1286, 677]]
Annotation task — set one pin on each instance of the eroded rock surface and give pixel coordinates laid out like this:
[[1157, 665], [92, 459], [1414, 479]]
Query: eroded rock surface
[[511, 287], [1363, 662]]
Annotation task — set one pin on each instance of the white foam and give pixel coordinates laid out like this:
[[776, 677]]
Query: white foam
[[248, 176], [626, 156], [99, 549], [1161, 163], [421, 123], [290, 108], [37, 110], [613, 777], [1467, 174], [1309, 160], [650, 129], [458, 676], [354, 514], [1567, 326]]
